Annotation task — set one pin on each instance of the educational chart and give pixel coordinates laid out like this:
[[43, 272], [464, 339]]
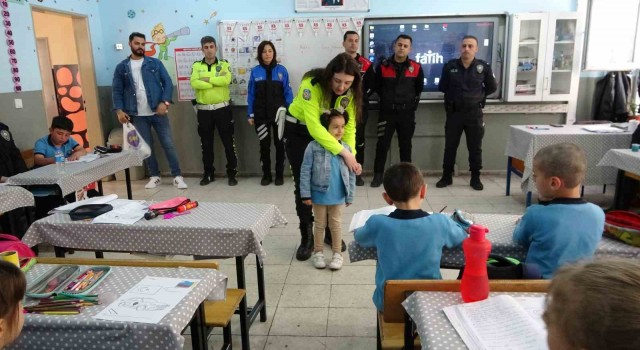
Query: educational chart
[[149, 300], [301, 44], [332, 5], [184, 58]]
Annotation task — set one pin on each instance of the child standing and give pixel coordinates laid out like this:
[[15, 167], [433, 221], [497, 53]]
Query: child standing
[[327, 183], [409, 241], [563, 227], [594, 305], [12, 291]]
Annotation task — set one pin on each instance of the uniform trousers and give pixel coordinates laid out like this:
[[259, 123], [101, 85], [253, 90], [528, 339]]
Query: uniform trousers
[[402, 122], [296, 139], [208, 121], [267, 131], [471, 122]]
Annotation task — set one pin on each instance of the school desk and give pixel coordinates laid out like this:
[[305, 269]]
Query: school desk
[[500, 234], [628, 163], [13, 197], [82, 331], [220, 230]]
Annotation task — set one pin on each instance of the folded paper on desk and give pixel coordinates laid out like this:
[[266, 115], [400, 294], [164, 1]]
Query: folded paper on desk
[[90, 157], [500, 322], [127, 214], [603, 129], [360, 218]]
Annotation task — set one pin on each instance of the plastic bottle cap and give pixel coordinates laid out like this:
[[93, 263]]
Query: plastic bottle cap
[[477, 232]]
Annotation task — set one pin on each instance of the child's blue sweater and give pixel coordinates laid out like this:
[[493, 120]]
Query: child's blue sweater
[[560, 231], [409, 244]]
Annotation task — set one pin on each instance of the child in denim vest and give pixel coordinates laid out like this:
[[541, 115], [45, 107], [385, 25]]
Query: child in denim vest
[[327, 184]]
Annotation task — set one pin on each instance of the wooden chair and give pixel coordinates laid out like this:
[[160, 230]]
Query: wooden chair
[[216, 313], [27, 156], [394, 325]]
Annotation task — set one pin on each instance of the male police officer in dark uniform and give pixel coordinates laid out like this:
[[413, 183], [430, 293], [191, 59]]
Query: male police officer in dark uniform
[[11, 163], [466, 82], [399, 82], [351, 44]]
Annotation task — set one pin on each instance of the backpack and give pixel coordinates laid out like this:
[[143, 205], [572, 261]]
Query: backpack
[[9, 243], [506, 268], [623, 225]]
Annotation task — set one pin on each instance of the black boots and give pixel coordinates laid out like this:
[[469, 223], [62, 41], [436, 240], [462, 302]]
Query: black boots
[[306, 242], [266, 179], [475, 181], [359, 180], [206, 179], [329, 241], [445, 181], [231, 174], [377, 180], [279, 178]]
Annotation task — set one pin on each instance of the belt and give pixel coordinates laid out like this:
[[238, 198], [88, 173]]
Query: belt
[[294, 120], [212, 107]]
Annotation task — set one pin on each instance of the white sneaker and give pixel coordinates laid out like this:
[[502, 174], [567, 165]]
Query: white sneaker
[[336, 262], [318, 260], [154, 181], [178, 181]]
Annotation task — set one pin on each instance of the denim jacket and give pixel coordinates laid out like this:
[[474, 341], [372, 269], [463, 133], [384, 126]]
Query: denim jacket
[[157, 83], [316, 169]]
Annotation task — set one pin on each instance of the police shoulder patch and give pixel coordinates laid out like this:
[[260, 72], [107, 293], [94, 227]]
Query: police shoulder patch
[[306, 94], [218, 68], [344, 102], [480, 68], [5, 135]]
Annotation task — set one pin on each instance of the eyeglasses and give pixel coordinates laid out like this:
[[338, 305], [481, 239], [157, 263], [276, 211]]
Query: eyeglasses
[[161, 31]]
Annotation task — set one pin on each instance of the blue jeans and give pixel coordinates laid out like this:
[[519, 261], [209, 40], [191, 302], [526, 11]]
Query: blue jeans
[[161, 124]]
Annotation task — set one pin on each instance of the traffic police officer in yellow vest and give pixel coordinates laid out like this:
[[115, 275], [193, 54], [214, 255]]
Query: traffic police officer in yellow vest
[[210, 78]]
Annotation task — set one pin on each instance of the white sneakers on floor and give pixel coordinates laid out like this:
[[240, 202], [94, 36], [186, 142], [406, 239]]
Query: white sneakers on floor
[[178, 182], [154, 181], [336, 262], [318, 260]]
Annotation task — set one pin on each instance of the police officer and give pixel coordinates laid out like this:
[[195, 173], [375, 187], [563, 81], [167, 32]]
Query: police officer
[[466, 82], [210, 78], [351, 44], [11, 163], [399, 82]]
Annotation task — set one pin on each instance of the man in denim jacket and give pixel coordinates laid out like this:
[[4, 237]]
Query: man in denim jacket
[[141, 93]]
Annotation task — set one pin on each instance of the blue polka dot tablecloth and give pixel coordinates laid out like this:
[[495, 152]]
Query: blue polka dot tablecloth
[[524, 143], [78, 175], [500, 234], [433, 326], [82, 331], [12, 197], [212, 229], [623, 159]]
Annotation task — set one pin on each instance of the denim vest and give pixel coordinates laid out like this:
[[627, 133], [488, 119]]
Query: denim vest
[[316, 169], [157, 83]]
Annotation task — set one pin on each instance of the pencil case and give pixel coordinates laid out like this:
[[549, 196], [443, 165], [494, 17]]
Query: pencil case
[[83, 284], [52, 281]]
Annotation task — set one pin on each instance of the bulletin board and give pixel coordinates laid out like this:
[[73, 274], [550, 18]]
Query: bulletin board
[[301, 45], [184, 58]]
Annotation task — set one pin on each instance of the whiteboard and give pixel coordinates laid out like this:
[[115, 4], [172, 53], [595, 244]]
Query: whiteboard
[[301, 44], [612, 35]]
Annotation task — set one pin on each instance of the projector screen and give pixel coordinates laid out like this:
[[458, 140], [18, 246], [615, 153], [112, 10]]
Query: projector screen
[[436, 40]]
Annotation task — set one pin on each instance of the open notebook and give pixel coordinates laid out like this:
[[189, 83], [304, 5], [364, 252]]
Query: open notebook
[[500, 322]]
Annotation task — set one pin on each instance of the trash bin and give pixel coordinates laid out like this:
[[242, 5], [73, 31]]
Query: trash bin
[[136, 172]]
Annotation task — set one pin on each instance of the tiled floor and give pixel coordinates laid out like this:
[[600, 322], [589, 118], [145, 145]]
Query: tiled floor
[[320, 309]]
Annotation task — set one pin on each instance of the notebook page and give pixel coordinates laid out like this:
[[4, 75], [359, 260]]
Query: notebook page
[[496, 323], [360, 218]]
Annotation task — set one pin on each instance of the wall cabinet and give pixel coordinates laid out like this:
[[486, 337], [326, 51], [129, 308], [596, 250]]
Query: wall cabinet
[[545, 53]]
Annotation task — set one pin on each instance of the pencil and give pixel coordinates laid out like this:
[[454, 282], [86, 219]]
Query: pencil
[[443, 208]]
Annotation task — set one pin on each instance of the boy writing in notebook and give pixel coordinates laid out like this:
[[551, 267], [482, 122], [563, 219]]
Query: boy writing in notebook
[[563, 227], [409, 241], [59, 139]]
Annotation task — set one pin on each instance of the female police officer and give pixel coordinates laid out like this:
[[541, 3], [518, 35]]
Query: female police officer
[[336, 86]]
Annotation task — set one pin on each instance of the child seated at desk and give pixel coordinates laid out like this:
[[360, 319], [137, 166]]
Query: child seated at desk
[[563, 227], [44, 153], [594, 305], [12, 292], [409, 240]]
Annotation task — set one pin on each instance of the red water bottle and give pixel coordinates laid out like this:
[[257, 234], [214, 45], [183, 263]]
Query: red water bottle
[[475, 281], [188, 206]]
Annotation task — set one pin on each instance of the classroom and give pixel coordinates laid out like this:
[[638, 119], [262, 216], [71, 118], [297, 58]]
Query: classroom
[[198, 201]]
